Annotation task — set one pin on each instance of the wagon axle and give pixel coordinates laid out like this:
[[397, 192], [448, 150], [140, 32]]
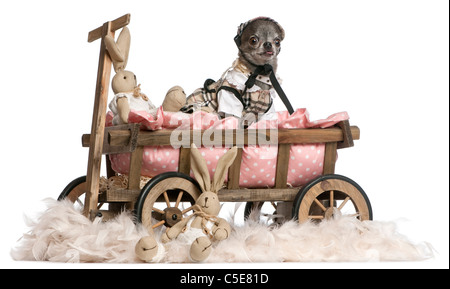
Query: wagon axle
[[171, 216]]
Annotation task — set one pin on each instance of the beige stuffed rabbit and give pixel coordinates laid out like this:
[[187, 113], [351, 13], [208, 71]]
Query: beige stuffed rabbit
[[124, 84], [202, 227], [149, 250]]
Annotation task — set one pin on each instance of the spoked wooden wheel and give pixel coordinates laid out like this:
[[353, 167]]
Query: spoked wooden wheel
[[331, 195], [166, 199], [75, 192]]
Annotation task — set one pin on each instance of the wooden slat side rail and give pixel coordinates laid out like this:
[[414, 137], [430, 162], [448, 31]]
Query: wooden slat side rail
[[329, 161], [134, 175], [184, 161], [254, 195], [282, 165], [234, 172], [115, 25], [120, 195], [225, 195], [134, 179], [252, 137], [124, 148]]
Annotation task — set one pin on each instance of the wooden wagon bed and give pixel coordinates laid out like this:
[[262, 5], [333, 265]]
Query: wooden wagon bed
[[128, 138]]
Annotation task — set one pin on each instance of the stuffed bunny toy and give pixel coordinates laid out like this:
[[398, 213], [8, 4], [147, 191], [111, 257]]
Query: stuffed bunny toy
[[128, 94], [202, 227], [149, 250]]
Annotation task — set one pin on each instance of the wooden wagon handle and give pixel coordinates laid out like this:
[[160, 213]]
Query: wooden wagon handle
[[115, 25], [99, 113]]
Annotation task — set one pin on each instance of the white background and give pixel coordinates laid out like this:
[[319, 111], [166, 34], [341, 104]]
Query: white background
[[384, 62]]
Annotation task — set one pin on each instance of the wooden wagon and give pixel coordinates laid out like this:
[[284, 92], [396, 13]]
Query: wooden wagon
[[160, 200]]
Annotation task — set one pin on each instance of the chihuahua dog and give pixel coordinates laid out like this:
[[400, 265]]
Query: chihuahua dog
[[245, 90], [259, 43]]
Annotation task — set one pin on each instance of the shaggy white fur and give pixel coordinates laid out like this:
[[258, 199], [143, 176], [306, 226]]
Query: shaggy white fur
[[63, 234]]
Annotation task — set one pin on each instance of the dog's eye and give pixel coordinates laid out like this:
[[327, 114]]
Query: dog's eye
[[253, 40], [277, 42]]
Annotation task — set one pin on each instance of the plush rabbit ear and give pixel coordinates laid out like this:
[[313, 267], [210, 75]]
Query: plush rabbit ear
[[119, 50], [198, 166], [222, 168]]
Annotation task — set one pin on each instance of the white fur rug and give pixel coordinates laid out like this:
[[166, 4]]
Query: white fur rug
[[62, 234]]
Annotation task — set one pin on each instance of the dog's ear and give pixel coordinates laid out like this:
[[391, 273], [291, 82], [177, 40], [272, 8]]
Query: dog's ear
[[237, 40]]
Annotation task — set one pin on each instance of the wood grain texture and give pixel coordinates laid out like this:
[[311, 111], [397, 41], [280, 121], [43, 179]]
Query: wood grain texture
[[98, 125], [239, 137]]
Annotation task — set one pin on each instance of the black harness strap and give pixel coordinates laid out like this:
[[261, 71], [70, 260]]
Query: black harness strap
[[281, 93], [235, 92], [260, 70], [264, 70]]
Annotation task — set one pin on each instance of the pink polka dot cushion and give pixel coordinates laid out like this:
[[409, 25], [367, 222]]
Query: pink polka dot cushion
[[258, 167]]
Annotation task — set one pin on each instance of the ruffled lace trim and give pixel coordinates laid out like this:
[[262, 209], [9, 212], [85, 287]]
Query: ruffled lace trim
[[238, 80]]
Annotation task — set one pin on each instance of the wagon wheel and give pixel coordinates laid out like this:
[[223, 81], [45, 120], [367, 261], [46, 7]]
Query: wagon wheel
[[164, 199], [328, 196], [74, 192], [265, 212]]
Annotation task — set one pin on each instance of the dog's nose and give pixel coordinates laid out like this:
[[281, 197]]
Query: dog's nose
[[267, 45]]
